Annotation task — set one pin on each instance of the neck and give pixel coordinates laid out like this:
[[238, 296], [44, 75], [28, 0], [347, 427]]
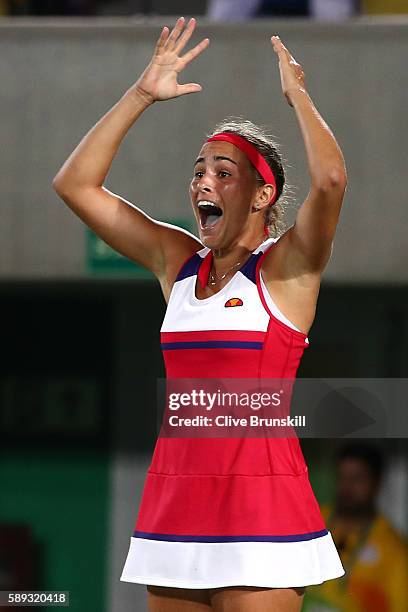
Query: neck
[[226, 262], [237, 249]]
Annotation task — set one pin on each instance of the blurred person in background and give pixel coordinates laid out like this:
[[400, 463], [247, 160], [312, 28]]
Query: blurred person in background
[[373, 553], [241, 10]]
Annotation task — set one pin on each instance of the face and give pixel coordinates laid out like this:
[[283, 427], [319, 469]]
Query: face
[[356, 487], [223, 194]]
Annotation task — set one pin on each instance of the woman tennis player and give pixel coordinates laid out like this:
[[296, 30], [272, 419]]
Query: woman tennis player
[[225, 524]]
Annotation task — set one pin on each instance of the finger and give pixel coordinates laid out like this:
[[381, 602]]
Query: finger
[[277, 41], [188, 88], [162, 39], [280, 48], [185, 37], [190, 55], [175, 32]]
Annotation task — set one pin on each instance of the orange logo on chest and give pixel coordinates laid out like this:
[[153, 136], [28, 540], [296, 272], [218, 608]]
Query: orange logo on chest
[[233, 302]]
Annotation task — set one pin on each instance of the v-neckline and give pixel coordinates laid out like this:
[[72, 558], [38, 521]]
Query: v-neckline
[[204, 273], [204, 269]]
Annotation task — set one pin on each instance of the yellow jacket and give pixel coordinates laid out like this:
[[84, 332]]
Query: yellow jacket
[[376, 578]]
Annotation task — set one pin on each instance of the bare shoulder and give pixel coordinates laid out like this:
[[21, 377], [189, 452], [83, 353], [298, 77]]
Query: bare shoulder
[[291, 285], [285, 261], [178, 246]]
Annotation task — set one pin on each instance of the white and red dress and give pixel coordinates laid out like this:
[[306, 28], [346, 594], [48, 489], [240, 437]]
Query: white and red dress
[[229, 511]]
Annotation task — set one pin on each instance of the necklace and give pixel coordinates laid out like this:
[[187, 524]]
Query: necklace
[[214, 279]]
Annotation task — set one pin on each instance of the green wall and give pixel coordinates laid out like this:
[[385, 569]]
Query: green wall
[[63, 495]]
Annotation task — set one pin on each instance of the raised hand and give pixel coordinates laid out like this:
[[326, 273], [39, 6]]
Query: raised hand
[[291, 73], [159, 79]]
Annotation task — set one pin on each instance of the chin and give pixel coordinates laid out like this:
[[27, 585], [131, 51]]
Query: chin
[[212, 242]]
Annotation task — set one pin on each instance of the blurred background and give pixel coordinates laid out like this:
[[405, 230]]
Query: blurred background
[[230, 10], [80, 333]]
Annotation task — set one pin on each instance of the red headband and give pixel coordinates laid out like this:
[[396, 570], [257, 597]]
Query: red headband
[[253, 155]]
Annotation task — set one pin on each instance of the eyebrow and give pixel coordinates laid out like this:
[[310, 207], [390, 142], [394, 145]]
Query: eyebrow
[[216, 158]]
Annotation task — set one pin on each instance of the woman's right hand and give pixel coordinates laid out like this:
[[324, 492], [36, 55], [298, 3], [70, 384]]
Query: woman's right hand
[[159, 80]]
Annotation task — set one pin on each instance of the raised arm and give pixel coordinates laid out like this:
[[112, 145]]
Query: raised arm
[[306, 247], [158, 246]]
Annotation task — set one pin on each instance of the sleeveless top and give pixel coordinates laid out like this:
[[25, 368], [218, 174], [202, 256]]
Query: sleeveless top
[[209, 489]]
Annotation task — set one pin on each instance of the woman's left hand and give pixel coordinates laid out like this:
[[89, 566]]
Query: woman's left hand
[[291, 73]]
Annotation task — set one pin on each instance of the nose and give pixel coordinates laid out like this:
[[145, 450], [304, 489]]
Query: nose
[[204, 189], [206, 182], [204, 185]]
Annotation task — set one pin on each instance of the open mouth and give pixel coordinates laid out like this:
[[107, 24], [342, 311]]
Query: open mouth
[[209, 213]]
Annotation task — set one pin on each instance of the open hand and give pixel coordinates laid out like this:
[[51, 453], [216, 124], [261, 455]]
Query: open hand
[[291, 73], [159, 80]]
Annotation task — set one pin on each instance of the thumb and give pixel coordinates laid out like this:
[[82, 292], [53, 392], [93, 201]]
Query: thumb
[[189, 88]]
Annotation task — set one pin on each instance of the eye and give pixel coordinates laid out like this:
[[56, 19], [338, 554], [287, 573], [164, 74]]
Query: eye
[[220, 172]]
